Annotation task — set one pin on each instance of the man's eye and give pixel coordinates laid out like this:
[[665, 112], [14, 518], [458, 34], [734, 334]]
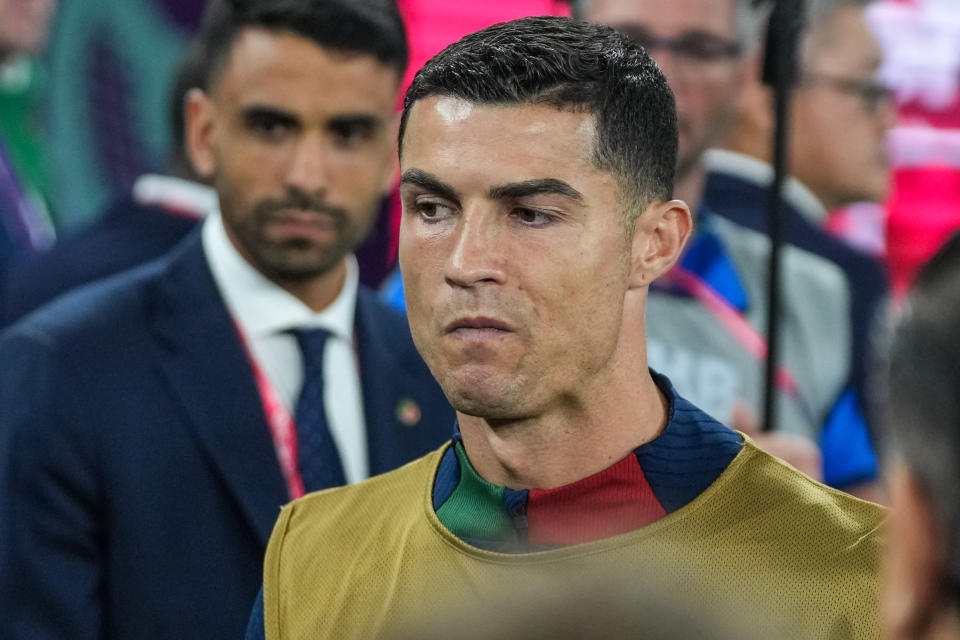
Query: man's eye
[[269, 127], [351, 134], [532, 217], [706, 48], [433, 211]]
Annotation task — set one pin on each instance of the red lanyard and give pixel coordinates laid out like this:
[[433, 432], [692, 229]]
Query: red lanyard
[[736, 325], [283, 430]]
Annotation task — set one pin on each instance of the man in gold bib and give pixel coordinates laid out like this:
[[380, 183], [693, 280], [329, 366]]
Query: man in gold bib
[[537, 161]]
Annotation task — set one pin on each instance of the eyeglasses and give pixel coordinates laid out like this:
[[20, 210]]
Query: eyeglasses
[[693, 46], [871, 93]]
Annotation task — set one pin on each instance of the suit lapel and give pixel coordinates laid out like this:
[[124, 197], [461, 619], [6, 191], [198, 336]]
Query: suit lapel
[[210, 376], [379, 374]]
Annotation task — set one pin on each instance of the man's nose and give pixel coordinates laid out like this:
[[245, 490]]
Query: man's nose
[[887, 114], [309, 166], [477, 254]]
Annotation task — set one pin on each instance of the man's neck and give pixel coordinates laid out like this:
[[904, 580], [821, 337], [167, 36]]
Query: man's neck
[[567, 444], [319, 292]]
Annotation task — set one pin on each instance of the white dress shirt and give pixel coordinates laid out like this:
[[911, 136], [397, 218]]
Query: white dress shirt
[[266, 313]]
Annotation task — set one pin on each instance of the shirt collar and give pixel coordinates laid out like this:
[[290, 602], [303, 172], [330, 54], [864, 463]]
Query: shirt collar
[[177, 195], [260, 307], [659, 477], [796, 194]]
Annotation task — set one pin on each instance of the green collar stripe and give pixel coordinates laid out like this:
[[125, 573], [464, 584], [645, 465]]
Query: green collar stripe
[[475, 508]]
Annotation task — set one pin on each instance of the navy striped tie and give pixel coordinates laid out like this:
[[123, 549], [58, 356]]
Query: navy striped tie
[[320, 465]]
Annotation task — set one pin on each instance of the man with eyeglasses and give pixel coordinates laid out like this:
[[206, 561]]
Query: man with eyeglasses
[[705, 321], [698, 45], [840, 114]]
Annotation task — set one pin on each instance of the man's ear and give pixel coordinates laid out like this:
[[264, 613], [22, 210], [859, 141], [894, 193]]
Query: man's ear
[[199, 118], [913, 600], [660, 235], [392, 172]]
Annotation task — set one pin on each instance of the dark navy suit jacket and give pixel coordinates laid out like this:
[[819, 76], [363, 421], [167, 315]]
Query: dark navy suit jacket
[[128, 234], [138, 479], [745, 203]]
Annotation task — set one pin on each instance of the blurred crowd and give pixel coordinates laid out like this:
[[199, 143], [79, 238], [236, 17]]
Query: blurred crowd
[[203, 315]]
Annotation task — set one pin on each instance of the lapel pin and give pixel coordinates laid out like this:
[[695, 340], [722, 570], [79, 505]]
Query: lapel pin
[[408, 412]]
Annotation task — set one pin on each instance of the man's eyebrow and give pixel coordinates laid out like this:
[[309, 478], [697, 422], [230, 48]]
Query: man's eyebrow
[[514, 190], [255, 111], [536, 187], [427, 182], [351, 120]]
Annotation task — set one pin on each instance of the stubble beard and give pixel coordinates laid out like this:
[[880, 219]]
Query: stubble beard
[[498, 397], [295, 260]]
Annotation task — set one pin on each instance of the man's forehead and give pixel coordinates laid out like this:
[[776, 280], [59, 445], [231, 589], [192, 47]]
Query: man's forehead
[[257, 52], [290, 75], [667, 17], [439, 121], [475, 146], [845, 43]]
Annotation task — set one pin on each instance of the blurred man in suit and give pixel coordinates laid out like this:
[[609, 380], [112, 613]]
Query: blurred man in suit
[[151, 425], [159, 211], [840, 114]]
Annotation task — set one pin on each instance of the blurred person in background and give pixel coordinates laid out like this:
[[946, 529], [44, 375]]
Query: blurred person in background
[[705, 318], [156, 213], [839, 117], [25, 219], [921, 398], [537, 160], [153, 423], [159, 212]]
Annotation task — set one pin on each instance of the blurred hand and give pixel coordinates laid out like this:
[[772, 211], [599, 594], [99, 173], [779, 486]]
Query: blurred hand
[[801, 453]]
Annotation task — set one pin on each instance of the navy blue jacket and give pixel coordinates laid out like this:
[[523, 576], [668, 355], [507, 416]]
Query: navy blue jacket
[[138, 479], [129, 234]]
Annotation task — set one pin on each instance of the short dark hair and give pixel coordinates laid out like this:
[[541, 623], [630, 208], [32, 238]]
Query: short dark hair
[[571, 65], [922, 395], [367, 27]]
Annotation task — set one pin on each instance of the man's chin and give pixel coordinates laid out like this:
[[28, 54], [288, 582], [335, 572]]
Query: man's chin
[[483, 401], [295, 265]]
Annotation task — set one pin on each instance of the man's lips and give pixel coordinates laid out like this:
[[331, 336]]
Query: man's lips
[[304, 216], [478, 328], [301, 222]]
